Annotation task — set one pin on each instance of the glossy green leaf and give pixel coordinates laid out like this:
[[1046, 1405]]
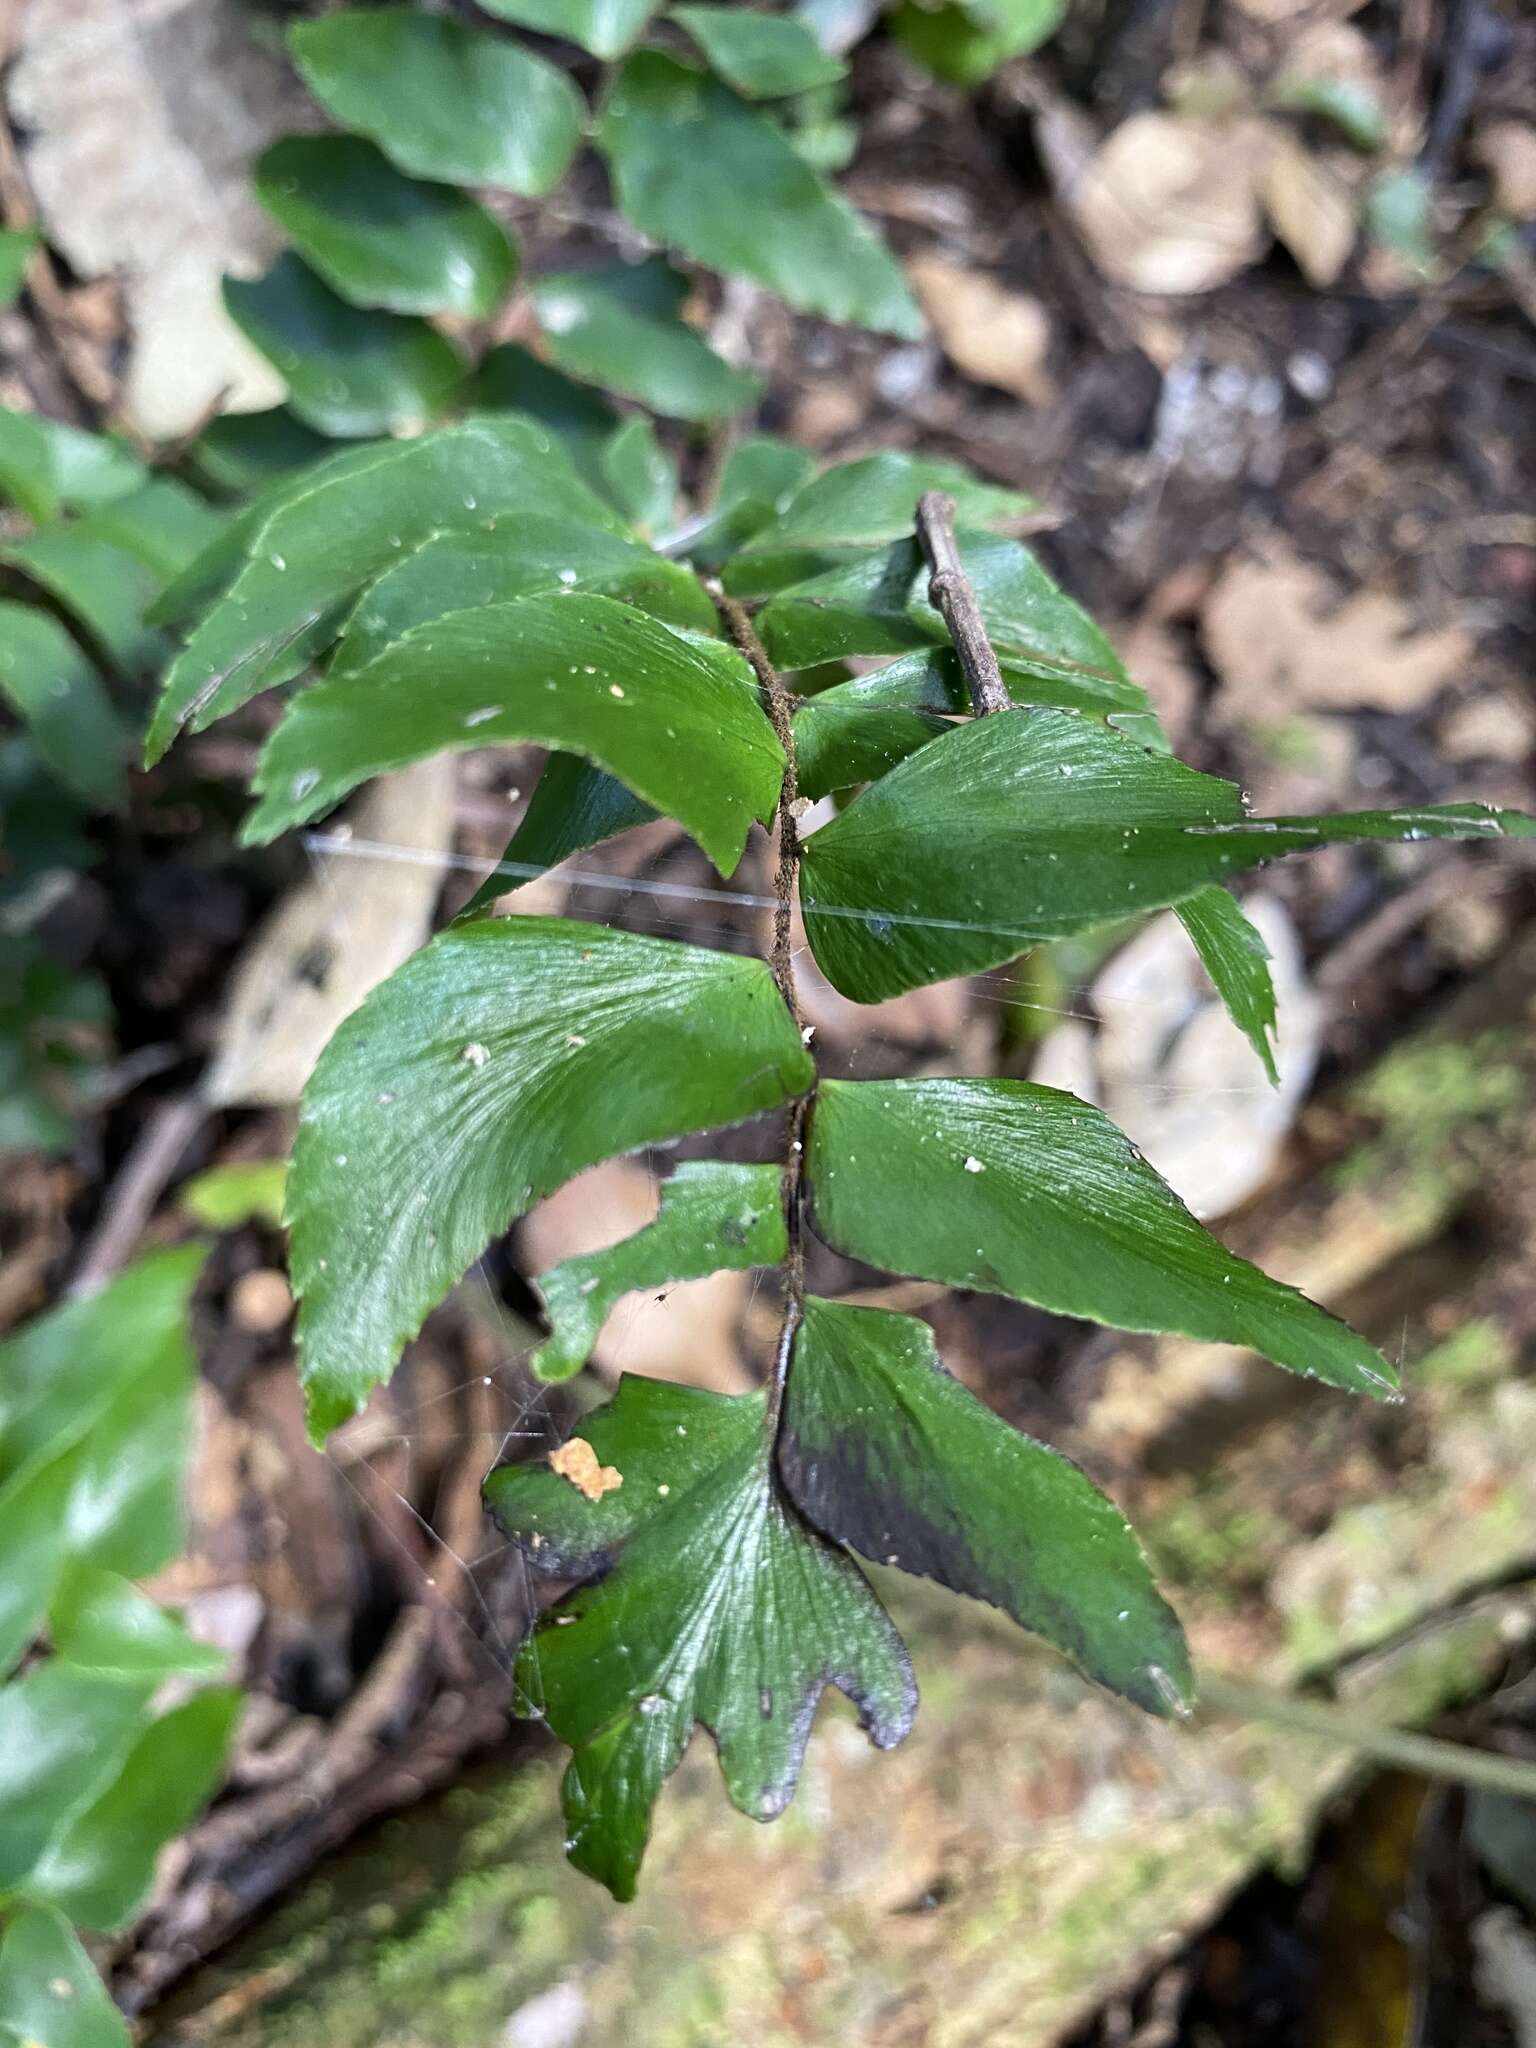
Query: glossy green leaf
[[380, 238], [244, 451], [320, 541], [1029, 1192], [965, 41], [640, 476], [348, 372], [163, 522], [101, 1622], [764, 56], [885, 1452], [50, 1993], [63, 1737], [855, 731], [16, 247], [95, 1410], [47, 467], [714, 1216], [701, 171], [58, 696], [1234, 955], [677, 720], [526, 556], [722, 1608], [500, 1061], [574, 805], [1033, 825], [510, 379], [876, 603], [100, 1868], [757, 481], [868, 503], [860, 606], [104, 588], [620, 328], [605, 27], [443, 101], [245, 1191]]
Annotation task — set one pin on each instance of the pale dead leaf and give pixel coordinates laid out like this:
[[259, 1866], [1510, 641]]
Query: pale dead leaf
[[995, 335], [1175, 1073], [1281, 639], [332, 939], [1171, 205], [687, 1332], [578, 1462], [1508, 148], [1310, 208], [141, 119], [1494, 727]]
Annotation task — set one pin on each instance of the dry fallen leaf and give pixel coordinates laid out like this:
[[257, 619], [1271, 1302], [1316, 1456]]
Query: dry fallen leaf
[[687, 1332], [1311, 209], [1282, 640], [141, 122], [1175, 1073], [577, 1461], [1508, 148], [333, 938], [1172, 205], [995, 335]]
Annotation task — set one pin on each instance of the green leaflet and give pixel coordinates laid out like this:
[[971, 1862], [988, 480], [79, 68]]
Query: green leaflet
[[721, 1607], [877, 603], [380, 238], [620, 328], [500, 1061], [885, 1452], [1234, 955], [443, 101], [247, 451], [856, 731], [1033, 825], [965, 41], [100, 1867], [348, 372], [50, 1993], [714, 1215], [104, 588], [759, 478], [101, 1622], [322, 538], [1029, 1192], [683, 727], [667, 130], [639, 475], [764, 56], [524, 556], [509, 379], [59, 698], [868, 503], [47, 468], [94, 1419], [63, 1737], [605, 27], [573, 805]]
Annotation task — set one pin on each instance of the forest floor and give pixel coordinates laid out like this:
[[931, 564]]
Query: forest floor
[[1305, 510]]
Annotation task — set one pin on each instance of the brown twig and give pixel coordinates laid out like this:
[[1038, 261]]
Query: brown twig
[[141, 1180], [780, 705], [950, 592]]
